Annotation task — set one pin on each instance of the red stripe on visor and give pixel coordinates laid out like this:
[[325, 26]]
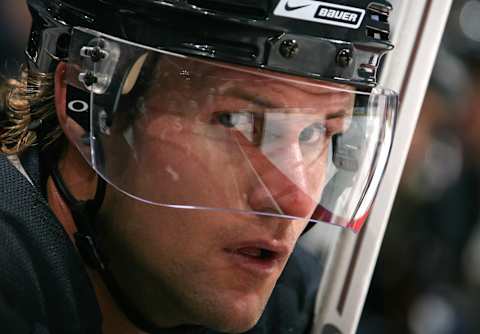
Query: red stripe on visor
[[321, 214]]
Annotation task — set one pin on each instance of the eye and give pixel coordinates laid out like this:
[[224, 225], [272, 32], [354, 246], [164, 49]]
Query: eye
[[312, 134], [226, 119], [231, 120]]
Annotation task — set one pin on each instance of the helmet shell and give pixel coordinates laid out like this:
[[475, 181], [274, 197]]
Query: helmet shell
[[273, 34]]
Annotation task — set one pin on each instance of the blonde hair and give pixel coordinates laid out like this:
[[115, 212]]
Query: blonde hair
[[28, 108]]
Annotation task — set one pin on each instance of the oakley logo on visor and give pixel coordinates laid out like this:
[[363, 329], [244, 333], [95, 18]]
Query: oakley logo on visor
[[321, 12], [78, 106]]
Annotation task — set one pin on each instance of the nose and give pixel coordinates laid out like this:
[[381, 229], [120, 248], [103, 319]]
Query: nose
[[281, 182]]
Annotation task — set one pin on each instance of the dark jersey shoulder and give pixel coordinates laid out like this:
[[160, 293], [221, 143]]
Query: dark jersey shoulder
[[44, 287]]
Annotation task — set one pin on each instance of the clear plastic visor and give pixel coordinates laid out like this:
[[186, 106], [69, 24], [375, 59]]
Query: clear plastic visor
[[186, 133]]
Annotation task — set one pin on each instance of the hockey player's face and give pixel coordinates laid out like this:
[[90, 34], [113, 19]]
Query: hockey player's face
[[217, 268]]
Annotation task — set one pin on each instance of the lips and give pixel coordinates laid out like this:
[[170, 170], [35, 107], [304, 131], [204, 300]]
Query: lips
[[258, 253], [259, 249], [259, 258]]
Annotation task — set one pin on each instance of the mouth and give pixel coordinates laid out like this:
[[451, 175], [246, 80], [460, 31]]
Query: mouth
[[258, 258], [257, 253]]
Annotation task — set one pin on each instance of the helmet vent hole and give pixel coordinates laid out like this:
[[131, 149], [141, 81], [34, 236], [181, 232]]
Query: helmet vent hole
[[378, 27]]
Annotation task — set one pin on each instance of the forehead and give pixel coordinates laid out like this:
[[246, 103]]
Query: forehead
[[194, 86], [194, 69]]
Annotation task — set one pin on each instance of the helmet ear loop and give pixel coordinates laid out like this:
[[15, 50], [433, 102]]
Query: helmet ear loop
[[83, 214]]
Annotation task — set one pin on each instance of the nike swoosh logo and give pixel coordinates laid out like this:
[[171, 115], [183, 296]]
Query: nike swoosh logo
[[289, 8]]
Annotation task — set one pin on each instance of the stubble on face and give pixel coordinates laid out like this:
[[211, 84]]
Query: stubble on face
[[175, 271]]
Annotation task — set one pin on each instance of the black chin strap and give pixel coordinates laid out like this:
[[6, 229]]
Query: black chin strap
[[84, 213]]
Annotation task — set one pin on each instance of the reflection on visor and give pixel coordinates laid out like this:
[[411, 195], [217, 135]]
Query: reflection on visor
[[186, 133]]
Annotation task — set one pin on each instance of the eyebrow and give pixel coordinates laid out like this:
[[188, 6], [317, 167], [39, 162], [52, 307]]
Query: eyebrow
[[267, 103], [338, 114], [258, 100]]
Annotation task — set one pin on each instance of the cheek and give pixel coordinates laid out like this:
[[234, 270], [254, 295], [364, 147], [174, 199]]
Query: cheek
[[180, 256], [155, 234], [161, 239]]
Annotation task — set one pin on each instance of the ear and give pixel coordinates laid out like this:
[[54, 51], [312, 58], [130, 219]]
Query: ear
[[61, 94], [74, 132]]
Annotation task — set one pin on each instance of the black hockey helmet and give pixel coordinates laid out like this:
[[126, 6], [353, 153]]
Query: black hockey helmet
[[341, 40]]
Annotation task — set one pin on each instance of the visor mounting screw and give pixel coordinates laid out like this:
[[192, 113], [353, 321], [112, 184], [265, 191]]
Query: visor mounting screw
[[88, 78], [103, 122], [289, 48], [344, 57], [95, 54]]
